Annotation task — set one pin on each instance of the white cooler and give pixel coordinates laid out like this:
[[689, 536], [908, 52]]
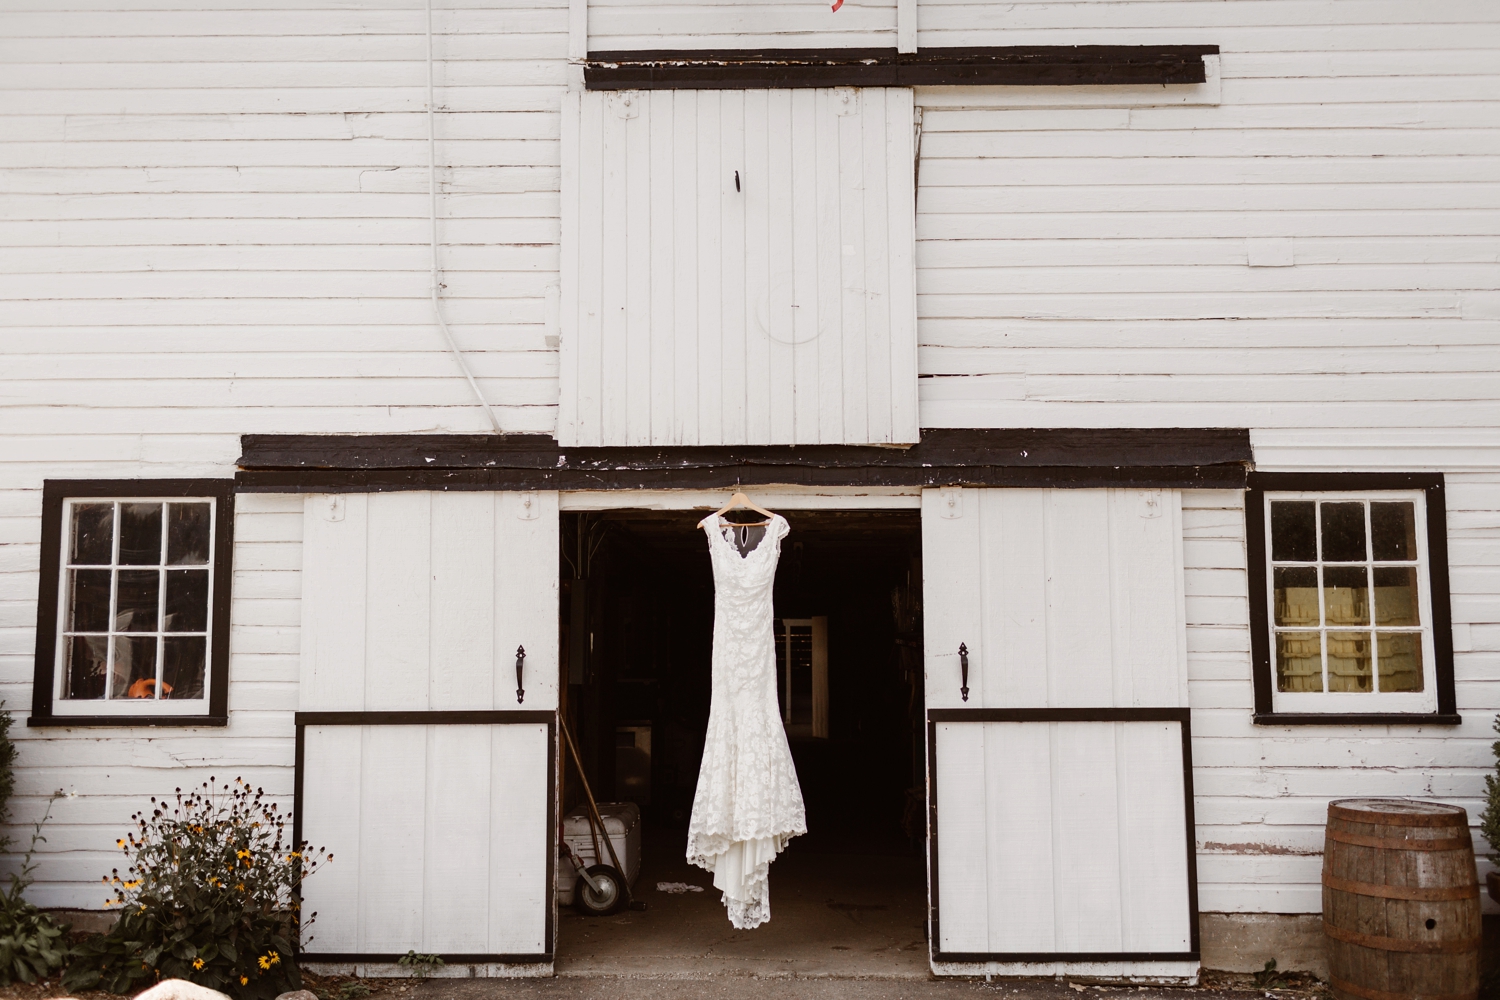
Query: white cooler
[[622, 820]]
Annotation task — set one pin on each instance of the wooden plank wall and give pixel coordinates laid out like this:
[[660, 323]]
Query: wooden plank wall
[[107, 774], [1262, 792], [213, 222]]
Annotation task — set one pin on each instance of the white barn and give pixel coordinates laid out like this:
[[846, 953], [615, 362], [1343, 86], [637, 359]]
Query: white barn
[[1159, 340]]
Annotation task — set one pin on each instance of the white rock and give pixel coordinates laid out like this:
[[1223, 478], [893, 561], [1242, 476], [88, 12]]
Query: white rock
[[180, 989]]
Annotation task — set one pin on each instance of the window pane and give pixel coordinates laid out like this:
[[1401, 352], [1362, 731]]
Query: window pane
[[801, 683], [1299, 661], [1344, 531], [134, 674], [187, 600], [140, 534], [183, 658], [1346, 595], [1350, 666], [1296, 595], [1396, 596], [1394, 530], [135, 601], [1400, 661], [93, 529], [1293, 531], [88, 600], [187, 534], [88, 657]]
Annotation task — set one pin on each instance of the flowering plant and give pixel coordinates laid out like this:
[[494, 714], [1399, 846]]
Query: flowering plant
[[212, 895]]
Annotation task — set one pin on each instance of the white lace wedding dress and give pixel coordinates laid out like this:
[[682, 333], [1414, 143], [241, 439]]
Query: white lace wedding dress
[[748, 803]]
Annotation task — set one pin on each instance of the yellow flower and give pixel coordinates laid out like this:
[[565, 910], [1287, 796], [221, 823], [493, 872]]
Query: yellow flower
[[240, 887], [275, 958], [242, 854], [265, 962], [197, 963], [119, 843], [244, 980]]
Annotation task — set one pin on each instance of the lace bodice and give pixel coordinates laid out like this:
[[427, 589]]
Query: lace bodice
[[748, 803]]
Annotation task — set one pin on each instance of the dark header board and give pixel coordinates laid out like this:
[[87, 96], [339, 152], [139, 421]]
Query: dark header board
[[1014, 65], [1210, 458]]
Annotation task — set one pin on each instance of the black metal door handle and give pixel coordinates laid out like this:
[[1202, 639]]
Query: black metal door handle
[[963, 664], [520, 668]]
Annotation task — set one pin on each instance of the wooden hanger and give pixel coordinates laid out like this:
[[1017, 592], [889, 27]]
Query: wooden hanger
[[739, 500]]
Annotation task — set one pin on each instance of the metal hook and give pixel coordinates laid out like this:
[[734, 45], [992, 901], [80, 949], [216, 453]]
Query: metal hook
[[736, 180]]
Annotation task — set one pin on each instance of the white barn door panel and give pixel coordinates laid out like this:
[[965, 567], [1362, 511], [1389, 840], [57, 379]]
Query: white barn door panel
[[416, 600], [424, 764], [441, 837], [738, 267], [1060, 782]]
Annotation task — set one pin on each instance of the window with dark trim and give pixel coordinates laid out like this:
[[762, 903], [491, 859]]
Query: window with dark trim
[[133, 605], [1349, 608]]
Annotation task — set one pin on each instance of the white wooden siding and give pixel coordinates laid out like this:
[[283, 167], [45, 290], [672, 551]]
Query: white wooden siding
[[107, 774], [213, 222], [1064, 598], [415, 601], [731, 24], [737, 268], [440, 836], [1262, 792]]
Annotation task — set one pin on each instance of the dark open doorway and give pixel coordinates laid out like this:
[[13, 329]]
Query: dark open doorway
[[637, 634]]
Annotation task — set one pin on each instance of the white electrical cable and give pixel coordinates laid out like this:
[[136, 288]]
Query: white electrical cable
[[437, 306]]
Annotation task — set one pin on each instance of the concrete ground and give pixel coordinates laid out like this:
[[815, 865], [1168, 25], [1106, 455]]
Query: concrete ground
[[831, 915]]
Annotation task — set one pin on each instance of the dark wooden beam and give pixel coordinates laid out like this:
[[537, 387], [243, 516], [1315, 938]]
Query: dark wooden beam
[[1075, 457], [1017, 65]]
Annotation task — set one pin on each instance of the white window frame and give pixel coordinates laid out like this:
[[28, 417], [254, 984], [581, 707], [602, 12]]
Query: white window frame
[[818, 630], [107, 706], [1354, 702]]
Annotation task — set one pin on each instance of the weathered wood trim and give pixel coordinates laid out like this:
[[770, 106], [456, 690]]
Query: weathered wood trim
[[497, 717], [1431, 483], [54, 492], [1182, 716], [1208, 458], [1012, 65]]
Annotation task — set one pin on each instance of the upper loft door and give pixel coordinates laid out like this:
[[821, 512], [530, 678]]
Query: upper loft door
[[1059, 765], [738, 268]]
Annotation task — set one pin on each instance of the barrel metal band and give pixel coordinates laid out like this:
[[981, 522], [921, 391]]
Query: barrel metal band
[[1418, 893], [1455, 817], [1379, 943], [1344, 986], [1400, 844]]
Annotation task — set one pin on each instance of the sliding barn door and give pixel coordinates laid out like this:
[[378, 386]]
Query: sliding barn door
[[1058, 749], [426, 736]]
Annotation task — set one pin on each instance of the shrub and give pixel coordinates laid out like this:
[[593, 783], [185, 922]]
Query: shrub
[[1489, 820], [32, 944], [211, 896]]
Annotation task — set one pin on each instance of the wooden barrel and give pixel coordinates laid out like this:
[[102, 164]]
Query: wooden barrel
[[1400, 901]]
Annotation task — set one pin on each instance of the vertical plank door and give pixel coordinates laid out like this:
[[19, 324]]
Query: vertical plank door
[[1059, 781], [423, 765], [738, 267]]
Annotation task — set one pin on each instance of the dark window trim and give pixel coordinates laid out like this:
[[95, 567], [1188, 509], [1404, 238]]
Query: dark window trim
[[1078, 458], [486, 717], [54, 492], [1431, 483], [1182, 716], [1011, 65]]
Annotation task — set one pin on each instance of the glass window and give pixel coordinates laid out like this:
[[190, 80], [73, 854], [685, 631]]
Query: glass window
[[137, 589], [1348, 585]]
